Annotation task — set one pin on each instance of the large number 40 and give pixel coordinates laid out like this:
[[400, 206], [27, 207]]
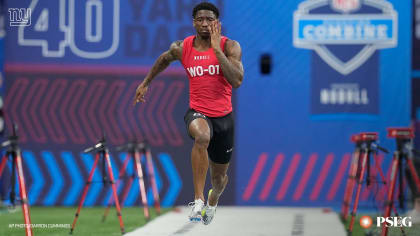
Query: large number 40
[[80, 25]]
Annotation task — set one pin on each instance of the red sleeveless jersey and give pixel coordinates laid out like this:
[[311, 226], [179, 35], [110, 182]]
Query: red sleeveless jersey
[[210, 92]]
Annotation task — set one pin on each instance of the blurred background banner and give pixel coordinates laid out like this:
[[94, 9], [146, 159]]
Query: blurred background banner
[[294, 125], [416, 71], [3, 15], [72, 68], [416, 36], [316, 72], [114, 32]]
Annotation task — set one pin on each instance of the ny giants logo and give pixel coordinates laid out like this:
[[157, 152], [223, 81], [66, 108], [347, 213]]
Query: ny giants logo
[[19, 16]]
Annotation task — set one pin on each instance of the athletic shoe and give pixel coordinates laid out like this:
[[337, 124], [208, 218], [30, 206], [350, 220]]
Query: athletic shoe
[[196, 207], [208, 212]]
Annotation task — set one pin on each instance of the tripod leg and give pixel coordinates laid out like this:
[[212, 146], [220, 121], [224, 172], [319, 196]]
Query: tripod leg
[[153, 180], [139, 170], [359, 188], [85, 190], [378, 167], [23, 195], [413, 173], [350, 184], [114, 189], [127, 188], [3, 164], [401, 185], [383, 178], [374, 172], [397, 215], [13, 180], [111, 199], [393, 180], [123, 172]]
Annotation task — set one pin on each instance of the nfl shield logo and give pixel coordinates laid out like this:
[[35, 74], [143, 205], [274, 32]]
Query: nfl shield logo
[[345, 6], [345, 29]]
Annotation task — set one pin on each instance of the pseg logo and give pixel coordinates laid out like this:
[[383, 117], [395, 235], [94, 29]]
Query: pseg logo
[[20, 16], [366, 221], [346, 24]]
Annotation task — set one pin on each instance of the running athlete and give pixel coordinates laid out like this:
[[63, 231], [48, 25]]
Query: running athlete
[[213, 65]]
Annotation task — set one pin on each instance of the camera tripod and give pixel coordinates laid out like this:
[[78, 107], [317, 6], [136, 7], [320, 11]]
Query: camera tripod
[[101, 152], [351, 180], [135, 152], [14, 153], [404, 152], [366, 145]]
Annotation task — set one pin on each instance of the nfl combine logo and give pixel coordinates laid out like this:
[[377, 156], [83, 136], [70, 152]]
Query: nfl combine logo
[[330, 27]]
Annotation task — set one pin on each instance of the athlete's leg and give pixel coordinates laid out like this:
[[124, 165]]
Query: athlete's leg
[[220, 152], [219, 181], [200, 131]]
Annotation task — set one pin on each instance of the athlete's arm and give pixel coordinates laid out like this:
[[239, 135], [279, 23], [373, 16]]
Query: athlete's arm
[[163, 61], [231, 62]]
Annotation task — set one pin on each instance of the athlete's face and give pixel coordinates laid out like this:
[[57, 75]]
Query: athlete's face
[[202, 21]]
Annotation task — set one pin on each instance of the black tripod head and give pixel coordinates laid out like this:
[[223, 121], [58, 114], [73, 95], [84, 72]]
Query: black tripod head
[[12, 141], [357, 140], [99, 147], [133, 147], [404, 138], [369, 140]]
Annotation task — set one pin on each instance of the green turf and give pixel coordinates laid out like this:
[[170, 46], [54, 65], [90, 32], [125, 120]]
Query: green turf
[[89, 222], [375, 231]]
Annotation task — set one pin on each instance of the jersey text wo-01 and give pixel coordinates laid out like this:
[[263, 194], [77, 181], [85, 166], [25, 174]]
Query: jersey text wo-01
[[199, 71]]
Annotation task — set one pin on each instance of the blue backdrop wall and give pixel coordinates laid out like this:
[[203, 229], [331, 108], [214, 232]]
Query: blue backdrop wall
[[72, 69], [337, 69], [293, 143]]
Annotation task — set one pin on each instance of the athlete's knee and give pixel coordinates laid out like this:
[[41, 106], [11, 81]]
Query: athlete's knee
[[202, 139]]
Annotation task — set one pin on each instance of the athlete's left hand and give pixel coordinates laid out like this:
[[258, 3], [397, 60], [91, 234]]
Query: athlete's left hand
[[216, 34]]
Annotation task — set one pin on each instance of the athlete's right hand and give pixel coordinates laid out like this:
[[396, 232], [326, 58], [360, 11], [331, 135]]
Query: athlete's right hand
[[140, 93]]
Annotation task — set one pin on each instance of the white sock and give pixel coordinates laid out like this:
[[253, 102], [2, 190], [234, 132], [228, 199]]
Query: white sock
[[211, 207]]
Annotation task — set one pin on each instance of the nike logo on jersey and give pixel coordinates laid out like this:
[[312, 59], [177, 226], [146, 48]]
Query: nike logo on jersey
[[199, 70], [229, 150]]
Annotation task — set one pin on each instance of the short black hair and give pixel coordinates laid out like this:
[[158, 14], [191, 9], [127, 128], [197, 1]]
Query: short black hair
[[205, 6]]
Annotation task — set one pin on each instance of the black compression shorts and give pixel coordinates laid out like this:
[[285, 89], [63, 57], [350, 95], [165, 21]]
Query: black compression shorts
[[221, 135]]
